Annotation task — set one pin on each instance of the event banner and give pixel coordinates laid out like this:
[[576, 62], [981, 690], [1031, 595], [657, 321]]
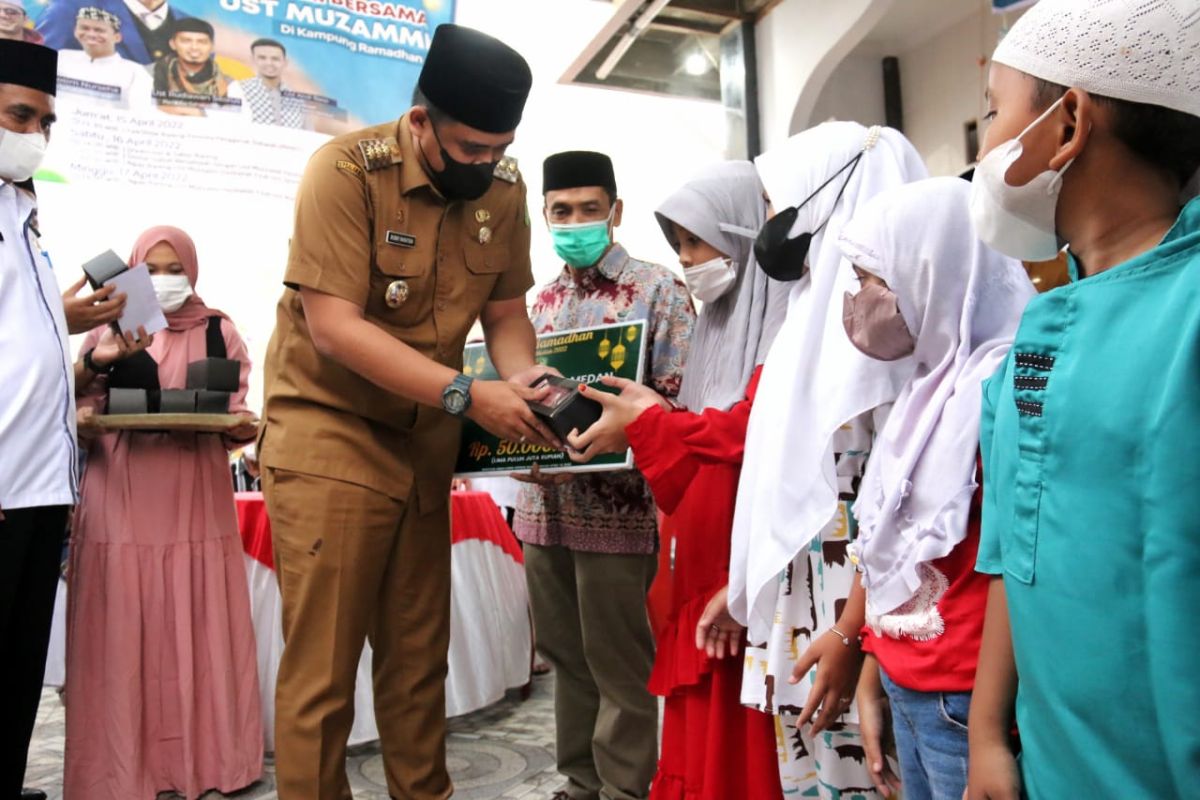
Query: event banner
[[323, 65], [203, 114], [585, 355]]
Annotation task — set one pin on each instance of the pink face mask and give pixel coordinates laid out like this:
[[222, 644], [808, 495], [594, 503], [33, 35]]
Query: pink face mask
[[873, 322]]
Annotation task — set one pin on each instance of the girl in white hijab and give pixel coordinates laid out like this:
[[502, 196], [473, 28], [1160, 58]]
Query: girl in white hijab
[[931, 289], [809, 434]]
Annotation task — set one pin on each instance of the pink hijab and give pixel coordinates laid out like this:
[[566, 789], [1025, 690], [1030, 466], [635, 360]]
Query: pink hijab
[[194, 312]]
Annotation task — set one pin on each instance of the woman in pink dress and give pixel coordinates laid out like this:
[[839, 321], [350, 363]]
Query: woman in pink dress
[[162, 687]]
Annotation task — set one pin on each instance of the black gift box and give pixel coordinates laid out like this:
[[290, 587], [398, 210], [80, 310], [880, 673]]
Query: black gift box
[[128, 401], [177, 401], [214, 374], [104, 267], [212, 402], [565, 409]]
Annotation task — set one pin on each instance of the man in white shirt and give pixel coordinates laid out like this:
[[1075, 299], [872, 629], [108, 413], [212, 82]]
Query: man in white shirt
[[97, 73], [265, 100], [37, 409], [146, 26]]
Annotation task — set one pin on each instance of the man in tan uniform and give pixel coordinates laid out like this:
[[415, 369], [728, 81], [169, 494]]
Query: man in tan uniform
[[406, 233]]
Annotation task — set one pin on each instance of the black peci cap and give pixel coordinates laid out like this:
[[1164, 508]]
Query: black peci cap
[[192, 25], [476, 79], [30, 65], [576, 168]]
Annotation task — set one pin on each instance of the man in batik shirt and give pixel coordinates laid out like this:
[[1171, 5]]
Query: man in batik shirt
[[591, 539]]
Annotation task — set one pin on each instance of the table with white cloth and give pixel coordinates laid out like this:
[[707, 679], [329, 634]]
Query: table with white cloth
[[490, 636]]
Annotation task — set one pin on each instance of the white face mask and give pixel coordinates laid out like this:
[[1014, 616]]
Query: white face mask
[[1017, 221], [172, 291], [20, 154], [711, 280]]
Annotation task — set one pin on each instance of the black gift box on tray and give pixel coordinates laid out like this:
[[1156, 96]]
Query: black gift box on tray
[[128, 401], [565, 409], [214, 374], [212, 402], [177, 401]]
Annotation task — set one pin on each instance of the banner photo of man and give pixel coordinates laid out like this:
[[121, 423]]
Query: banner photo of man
[[295, 64]]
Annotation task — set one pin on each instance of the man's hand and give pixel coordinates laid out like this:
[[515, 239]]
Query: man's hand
[[717, 632], [112, 347], [502, 408], [526, 377], [96, 309], [874, 719], [536, 476], [607, 434], [992, 773], [837, 675]]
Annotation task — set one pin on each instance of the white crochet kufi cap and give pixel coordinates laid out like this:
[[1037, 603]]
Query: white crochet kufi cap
[[1143, 51]]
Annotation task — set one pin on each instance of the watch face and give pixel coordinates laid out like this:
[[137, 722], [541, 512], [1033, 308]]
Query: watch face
[[455, 401]]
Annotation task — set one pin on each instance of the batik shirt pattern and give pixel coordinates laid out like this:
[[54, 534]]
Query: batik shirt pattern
[[610, 512]]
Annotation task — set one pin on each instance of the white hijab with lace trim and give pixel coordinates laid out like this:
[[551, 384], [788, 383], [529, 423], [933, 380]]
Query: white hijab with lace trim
[[962, 301]]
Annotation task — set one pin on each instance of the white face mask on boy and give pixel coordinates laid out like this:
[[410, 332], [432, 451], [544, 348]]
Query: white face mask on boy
[[1018, 221]]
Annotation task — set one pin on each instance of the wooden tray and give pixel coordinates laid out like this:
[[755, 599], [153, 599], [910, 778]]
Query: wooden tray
[[202, 423]]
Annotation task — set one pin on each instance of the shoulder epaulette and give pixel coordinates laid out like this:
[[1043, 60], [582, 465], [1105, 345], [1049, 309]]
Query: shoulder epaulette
[[380, 153], [507, 170]]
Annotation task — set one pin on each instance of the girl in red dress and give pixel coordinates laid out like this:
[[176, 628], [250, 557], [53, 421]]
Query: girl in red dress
[[713, 747]]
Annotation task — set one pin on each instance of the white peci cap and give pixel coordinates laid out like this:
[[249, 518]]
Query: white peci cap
[[1142, 51]]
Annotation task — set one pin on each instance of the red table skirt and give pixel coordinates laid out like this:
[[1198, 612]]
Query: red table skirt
[[473, 516]]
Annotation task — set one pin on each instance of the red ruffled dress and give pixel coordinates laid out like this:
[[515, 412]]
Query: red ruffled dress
[[713, 747]]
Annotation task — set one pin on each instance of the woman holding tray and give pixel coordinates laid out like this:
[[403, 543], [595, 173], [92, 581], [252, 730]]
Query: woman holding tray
[[162, 686]]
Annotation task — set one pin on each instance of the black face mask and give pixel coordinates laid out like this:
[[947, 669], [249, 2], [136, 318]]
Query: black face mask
[[783, 258], [459, 181]]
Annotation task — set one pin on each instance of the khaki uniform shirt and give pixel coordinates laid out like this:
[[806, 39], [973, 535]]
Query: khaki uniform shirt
[[371, 229]]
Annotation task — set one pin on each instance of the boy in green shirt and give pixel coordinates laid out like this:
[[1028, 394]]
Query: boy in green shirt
[[1091, 428]]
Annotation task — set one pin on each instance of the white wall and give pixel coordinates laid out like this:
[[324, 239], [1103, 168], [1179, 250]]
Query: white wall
[[942, 82], [800, 42], [853, 92]]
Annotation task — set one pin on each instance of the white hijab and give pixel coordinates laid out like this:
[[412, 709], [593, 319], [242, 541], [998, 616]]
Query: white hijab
[[962, 302], [724, 206], [814, 381]]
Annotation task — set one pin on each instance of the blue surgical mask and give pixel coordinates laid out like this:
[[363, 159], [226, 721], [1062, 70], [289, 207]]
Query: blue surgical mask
[[582, 244]]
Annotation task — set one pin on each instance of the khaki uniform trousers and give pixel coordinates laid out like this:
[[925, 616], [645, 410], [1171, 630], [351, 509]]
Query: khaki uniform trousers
[[355, 564], [589, 612]]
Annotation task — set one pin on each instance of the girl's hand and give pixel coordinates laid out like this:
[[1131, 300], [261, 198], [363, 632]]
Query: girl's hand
[[875, 723], [717, 631], [832, 691], [244, 430], [607, 434], [85, 423], [992, 773], [112, 347]]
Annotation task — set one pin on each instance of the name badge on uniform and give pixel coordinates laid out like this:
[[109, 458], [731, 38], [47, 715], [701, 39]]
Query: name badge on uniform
[[401, 239]]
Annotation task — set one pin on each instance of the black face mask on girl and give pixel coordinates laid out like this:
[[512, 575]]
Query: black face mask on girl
[[459, 181], [784, 258]]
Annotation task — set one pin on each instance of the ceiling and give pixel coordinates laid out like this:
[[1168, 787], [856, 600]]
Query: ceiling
[[683, 34], [910, 23]]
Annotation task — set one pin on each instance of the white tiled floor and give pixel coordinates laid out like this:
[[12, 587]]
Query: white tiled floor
[[505, 751]]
